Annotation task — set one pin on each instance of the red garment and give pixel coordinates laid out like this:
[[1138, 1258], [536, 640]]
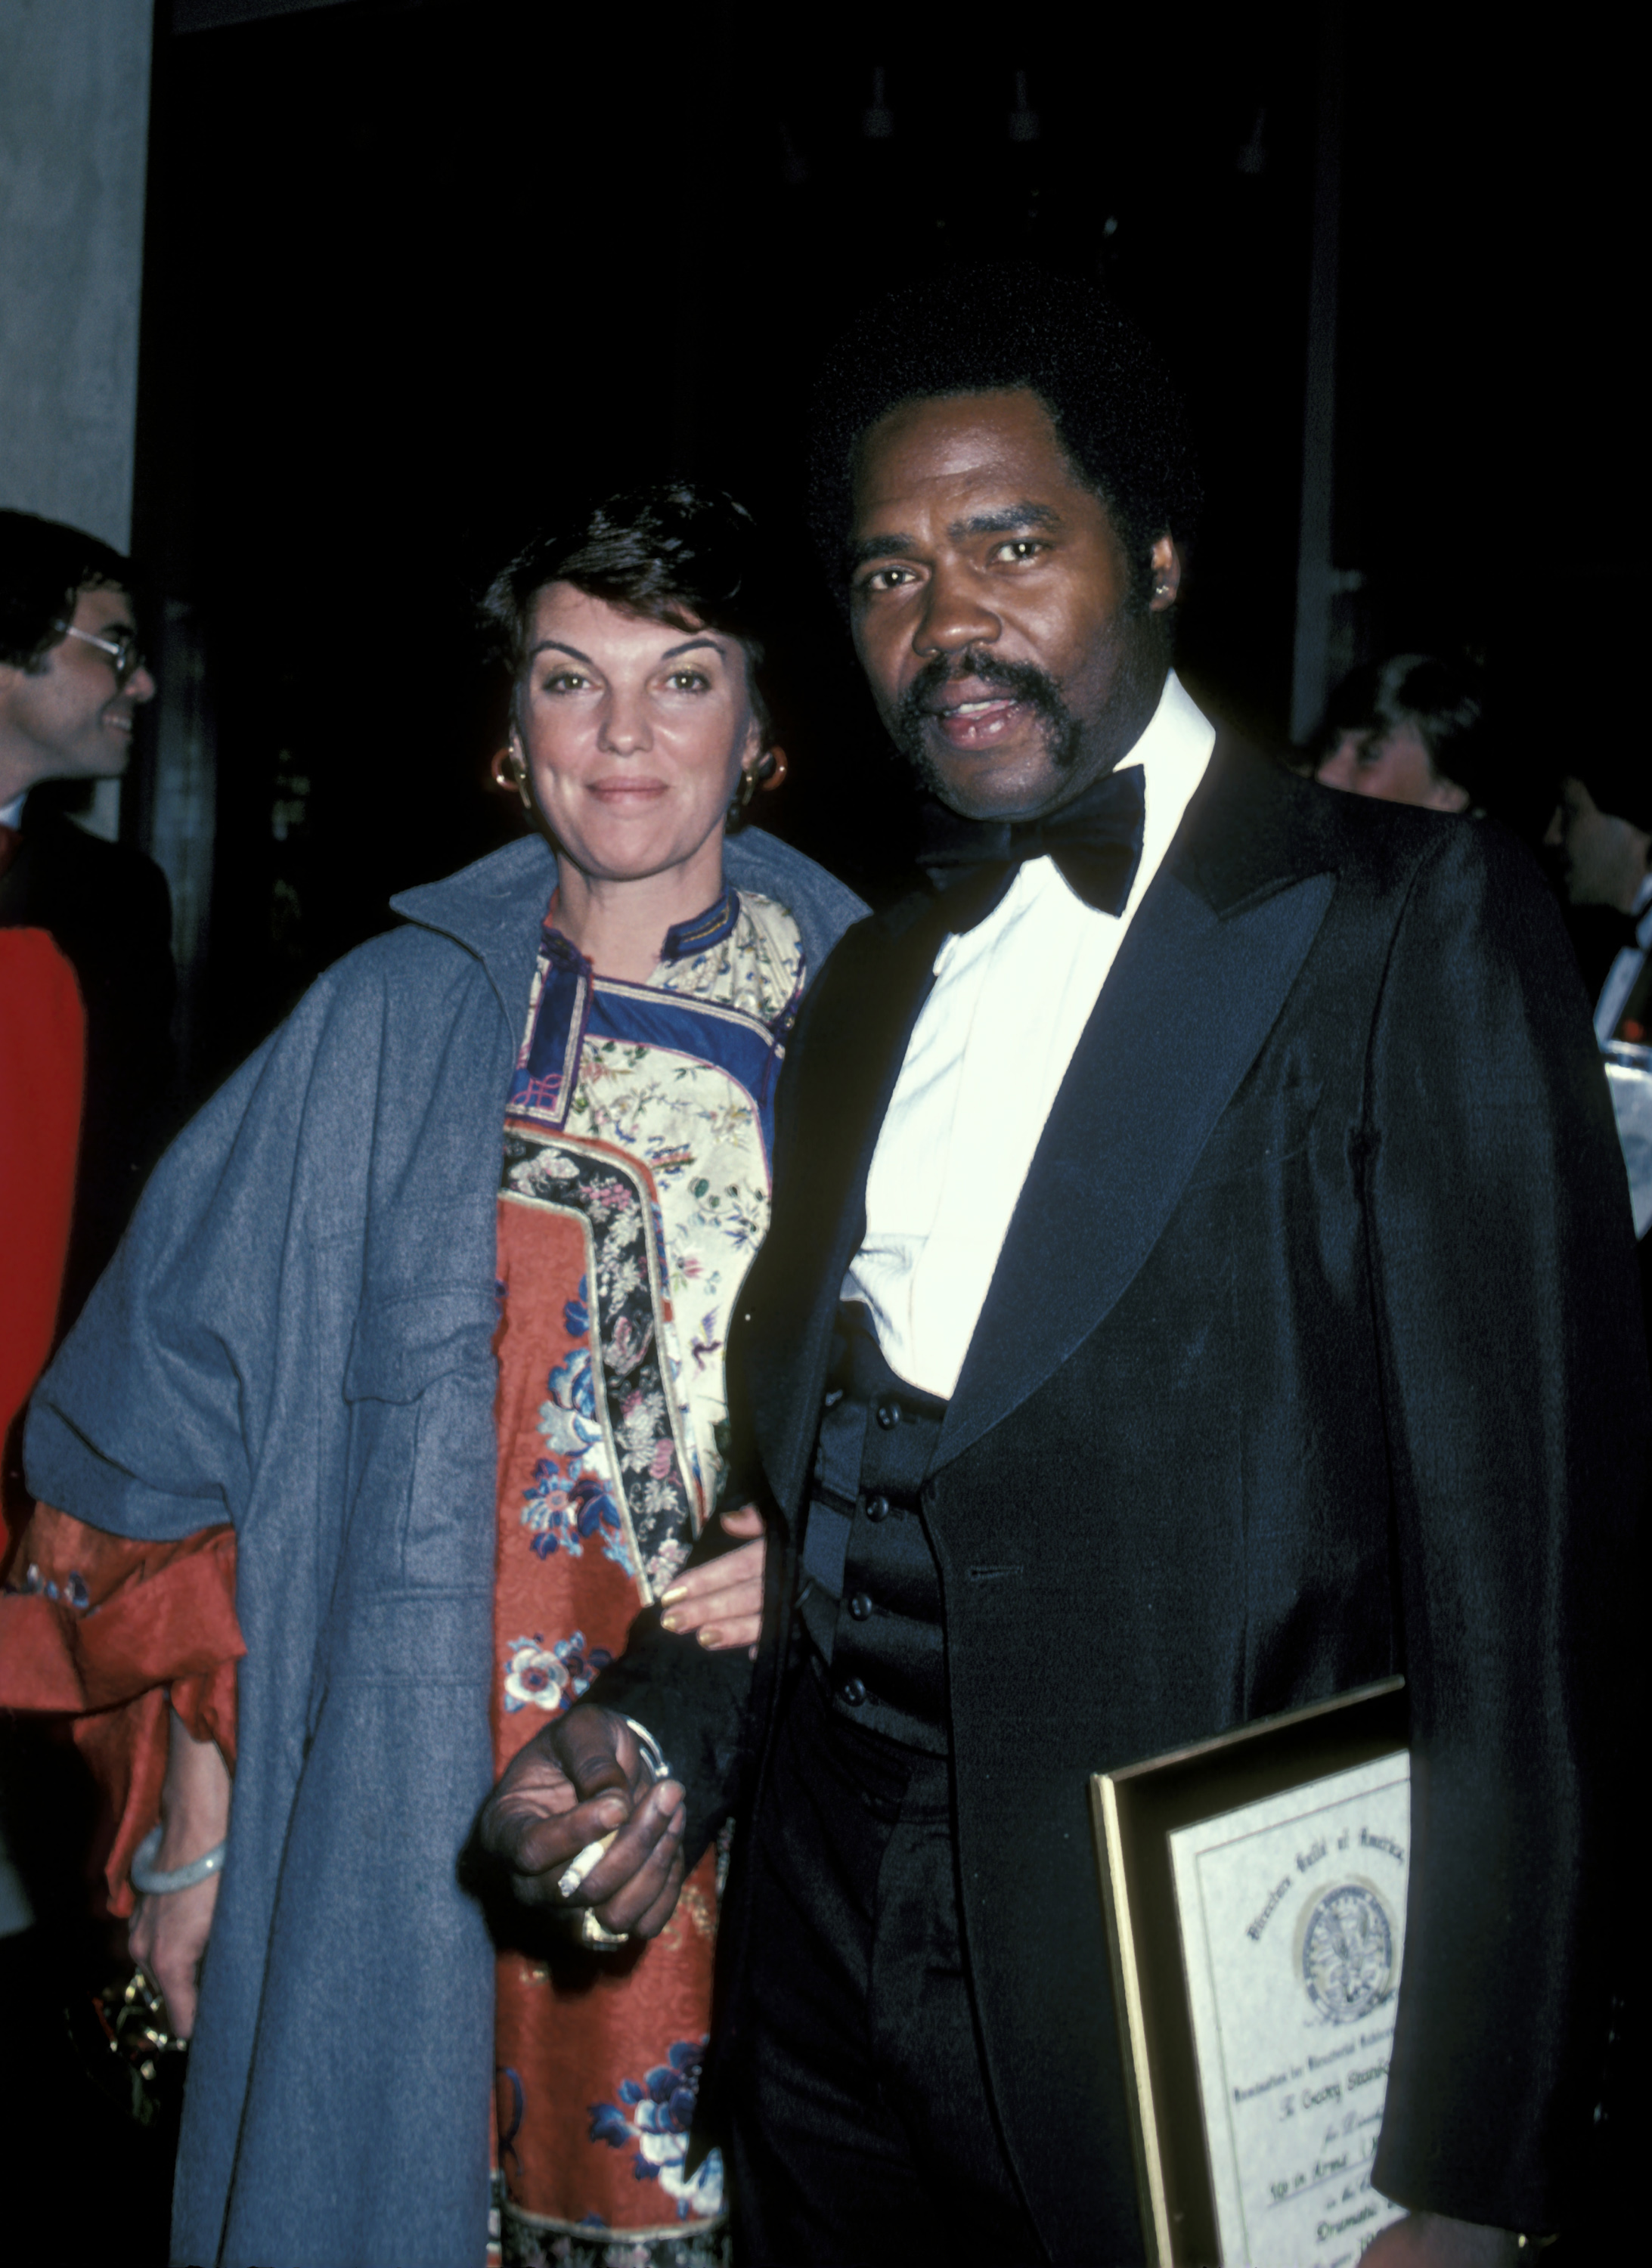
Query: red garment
[[42, 1064], [104, 1630], [577, 2045]]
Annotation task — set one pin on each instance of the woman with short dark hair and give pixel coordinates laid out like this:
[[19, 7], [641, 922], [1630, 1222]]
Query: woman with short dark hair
[[430, 1304]]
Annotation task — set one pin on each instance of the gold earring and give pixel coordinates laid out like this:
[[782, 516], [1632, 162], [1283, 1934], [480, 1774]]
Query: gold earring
[[506, 771]]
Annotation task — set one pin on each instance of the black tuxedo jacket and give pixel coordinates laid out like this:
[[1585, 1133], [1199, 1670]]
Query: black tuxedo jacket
[[1313, 1354], [109, 912]]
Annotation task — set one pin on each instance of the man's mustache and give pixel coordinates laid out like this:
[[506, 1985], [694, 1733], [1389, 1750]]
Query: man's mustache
[[1022, 681]]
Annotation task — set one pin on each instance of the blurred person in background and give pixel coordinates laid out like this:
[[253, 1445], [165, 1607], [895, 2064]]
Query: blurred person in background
[[85, 1091], [1407, 729], [1599, 840], [1600, 833], [72, 680], [403, 1395], [43, 1906]]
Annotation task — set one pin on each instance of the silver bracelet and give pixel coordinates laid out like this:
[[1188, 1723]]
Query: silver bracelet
[[156, 1881], [650, 1748]]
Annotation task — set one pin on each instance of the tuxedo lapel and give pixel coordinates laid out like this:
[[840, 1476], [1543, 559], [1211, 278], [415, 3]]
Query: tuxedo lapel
[[846, 1056], [1230, 919]]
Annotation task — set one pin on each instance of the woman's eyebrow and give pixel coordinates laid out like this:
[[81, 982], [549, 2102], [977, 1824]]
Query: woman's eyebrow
[[561, 646]]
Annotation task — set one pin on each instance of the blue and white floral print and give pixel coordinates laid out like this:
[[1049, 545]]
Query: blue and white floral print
[[550, 1677], [652, 2118], [571, 1500]]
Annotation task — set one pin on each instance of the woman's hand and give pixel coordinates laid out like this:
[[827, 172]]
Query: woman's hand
[[721, 1602], [168, 1931]]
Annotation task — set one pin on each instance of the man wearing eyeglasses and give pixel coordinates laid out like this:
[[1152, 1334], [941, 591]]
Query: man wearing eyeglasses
[[71, 682]]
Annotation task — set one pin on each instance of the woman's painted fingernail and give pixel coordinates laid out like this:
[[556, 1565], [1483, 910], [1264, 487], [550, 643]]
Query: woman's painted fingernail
[[710, 1637], [677, 1591], [669, 1622]]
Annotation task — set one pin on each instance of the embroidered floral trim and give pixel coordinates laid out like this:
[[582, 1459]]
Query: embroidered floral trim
[[685, 939], [528, 2242], [610, 1425], [641, 1110]]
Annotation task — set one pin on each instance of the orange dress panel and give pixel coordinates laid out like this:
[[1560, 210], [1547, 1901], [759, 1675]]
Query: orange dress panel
[[107, 1632], [570, 2029]]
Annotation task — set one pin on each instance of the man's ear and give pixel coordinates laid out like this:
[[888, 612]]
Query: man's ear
[[1166, 561]]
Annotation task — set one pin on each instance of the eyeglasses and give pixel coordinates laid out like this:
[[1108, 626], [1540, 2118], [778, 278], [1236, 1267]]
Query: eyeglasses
[[121, 647]]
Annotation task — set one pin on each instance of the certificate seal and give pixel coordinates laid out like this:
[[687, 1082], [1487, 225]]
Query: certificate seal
[[1347, 1952]]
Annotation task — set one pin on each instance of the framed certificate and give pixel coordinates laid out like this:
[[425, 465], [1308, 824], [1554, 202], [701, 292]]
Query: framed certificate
[[1255, 1893]]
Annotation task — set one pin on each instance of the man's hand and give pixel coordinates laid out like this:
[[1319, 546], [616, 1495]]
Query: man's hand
[[582, 1779], [168, 1932], [723, 1600], [1430, 2240]]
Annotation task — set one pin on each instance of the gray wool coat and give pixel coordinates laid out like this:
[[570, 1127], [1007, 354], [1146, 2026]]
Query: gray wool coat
[[296, 1336]]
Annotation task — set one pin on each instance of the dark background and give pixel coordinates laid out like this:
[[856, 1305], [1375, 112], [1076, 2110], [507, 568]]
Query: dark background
[[416, 273]]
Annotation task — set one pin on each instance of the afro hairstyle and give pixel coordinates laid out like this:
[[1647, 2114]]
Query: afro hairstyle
[[991, 328]]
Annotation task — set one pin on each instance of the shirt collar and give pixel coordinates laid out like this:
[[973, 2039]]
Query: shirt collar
[[683, 940], [1173, 751], [12, 814]]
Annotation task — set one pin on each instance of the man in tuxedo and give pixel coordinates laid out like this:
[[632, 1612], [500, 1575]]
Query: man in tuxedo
[[71, 680], [1174, 1313]]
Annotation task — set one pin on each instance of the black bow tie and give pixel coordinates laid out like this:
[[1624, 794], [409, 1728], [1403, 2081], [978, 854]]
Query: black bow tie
[[1096, 840]]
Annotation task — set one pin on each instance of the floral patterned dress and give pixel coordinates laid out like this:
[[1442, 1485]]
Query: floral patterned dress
[[634, 1194]]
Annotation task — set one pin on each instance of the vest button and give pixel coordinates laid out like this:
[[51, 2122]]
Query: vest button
[[877, 1508], [853, 1691], [860, 1606], [889, 1414]]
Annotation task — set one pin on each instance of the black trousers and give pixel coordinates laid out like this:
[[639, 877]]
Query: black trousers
[[858, 2127]]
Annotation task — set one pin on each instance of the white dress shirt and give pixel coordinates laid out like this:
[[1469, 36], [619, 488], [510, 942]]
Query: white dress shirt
[[984, 1065]]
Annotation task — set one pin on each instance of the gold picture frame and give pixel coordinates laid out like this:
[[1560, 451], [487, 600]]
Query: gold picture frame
[[1241, 1776]]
